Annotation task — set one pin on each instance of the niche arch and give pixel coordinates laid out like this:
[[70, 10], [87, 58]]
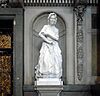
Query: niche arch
[[37, 25]]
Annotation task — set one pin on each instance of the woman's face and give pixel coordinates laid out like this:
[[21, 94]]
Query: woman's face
[[53, 20]]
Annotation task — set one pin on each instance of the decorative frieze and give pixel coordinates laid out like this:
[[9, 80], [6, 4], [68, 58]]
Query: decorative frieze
[[57, 2], [48, 2], [79, 10]]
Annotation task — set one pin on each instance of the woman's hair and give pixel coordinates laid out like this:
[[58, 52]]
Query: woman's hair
[[52, 14]]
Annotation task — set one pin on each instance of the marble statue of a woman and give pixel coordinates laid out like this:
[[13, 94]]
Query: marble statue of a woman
[[50, 59]]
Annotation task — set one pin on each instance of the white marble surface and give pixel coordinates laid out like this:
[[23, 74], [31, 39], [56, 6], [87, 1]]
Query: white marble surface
[[50, 81], [50, 59]]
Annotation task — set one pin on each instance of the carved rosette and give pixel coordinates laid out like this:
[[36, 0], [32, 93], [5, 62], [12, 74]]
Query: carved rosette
[[79, 10]]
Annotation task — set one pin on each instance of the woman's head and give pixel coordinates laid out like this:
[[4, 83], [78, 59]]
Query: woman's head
[[52, 19]]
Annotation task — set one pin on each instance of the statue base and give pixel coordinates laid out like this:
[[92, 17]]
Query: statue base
[[49, 86], [49, 81]]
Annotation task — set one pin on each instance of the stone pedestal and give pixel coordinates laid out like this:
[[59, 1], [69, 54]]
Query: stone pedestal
[[49, 87]]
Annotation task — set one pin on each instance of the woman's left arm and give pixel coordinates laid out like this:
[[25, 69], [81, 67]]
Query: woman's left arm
[[54, 37]]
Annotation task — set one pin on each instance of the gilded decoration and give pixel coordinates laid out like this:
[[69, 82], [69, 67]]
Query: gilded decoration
[[5, 41], [5, 75], [5, 65]]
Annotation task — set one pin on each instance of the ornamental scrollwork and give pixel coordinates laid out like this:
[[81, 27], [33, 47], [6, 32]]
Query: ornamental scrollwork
[[79, 10]]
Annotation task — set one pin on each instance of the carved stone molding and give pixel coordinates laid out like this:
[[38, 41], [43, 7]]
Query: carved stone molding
[[79, 10]]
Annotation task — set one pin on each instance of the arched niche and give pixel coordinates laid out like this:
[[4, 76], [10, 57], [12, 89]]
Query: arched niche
[[37, 25]]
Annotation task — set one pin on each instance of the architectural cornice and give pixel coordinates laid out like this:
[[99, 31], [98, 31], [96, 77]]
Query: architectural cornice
[[43, 3]]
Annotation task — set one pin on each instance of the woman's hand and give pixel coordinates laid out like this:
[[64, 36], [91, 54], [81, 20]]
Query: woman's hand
[[44, 37]]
